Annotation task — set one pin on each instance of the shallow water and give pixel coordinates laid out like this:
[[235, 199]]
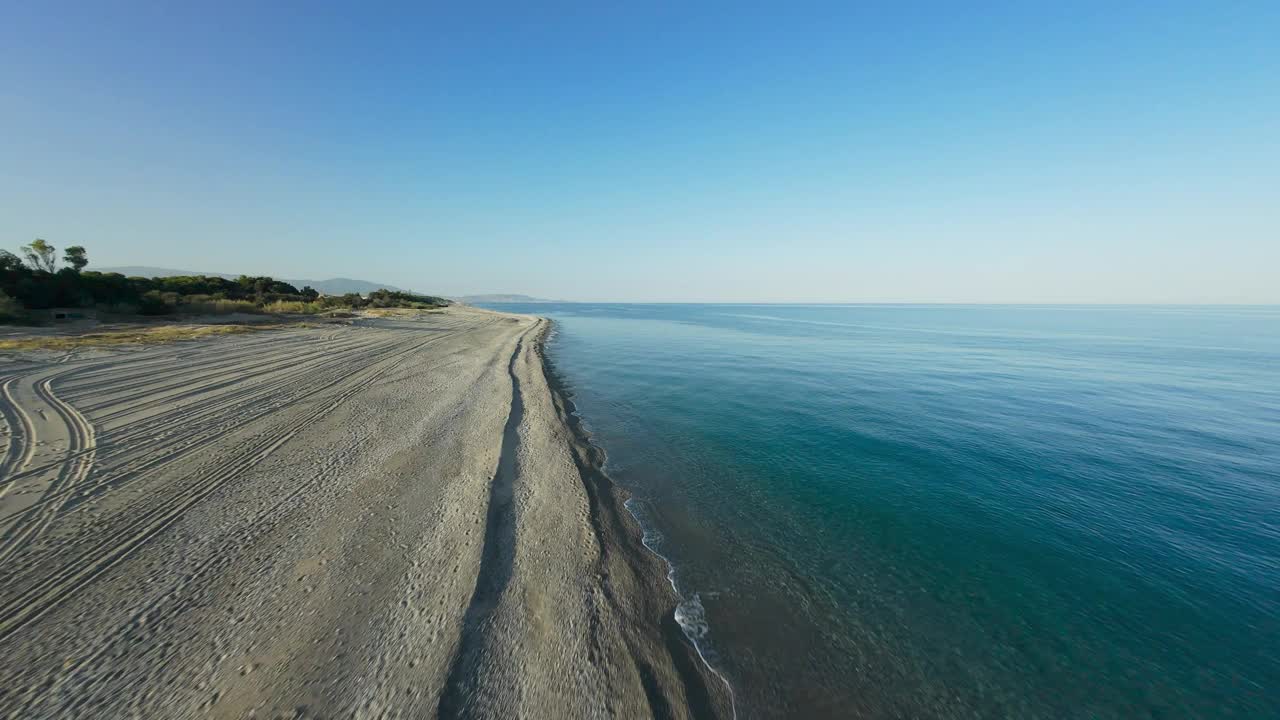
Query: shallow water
[[942, 511]]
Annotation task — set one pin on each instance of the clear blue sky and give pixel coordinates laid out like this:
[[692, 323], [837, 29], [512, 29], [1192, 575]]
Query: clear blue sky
[[990, 152]]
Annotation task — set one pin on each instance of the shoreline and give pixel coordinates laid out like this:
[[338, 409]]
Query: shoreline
[[614, 520]]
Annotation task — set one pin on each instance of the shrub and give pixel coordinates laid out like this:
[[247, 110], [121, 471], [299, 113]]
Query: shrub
[[153, 302], [11, 310]]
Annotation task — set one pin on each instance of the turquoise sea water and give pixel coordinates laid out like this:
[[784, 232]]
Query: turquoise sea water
[[941, 511]]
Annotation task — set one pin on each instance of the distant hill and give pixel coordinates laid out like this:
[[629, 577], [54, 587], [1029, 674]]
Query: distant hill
[[509, 298], [332, 286], [340, 286]]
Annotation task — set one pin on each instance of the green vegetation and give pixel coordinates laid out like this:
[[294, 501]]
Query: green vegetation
[[10, 310], [34, 282]]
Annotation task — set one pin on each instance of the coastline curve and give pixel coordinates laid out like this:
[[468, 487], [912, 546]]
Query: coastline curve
[[709, 692]]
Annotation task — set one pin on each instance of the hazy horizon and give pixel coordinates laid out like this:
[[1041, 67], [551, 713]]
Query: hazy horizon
[[815, 303], [1091, 154]]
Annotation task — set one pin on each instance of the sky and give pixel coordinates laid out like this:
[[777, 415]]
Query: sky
[[1104, 152]]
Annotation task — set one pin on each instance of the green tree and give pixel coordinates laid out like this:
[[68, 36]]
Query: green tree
[[9, 261], [76, 257], [41, 255]]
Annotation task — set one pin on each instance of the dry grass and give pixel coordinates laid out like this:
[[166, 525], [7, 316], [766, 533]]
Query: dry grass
[[398, 312], [218, 307], [293, 307], [127, 336]]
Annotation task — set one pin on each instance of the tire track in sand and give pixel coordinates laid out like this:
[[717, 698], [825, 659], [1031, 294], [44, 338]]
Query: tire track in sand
[[21, 445], [62, 583], [60, 480], [254, 404]]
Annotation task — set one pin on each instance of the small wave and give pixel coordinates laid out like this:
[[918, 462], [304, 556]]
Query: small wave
[[690, 614], [692, 617]]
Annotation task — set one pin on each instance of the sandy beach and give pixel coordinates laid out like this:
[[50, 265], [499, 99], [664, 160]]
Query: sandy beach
[[384, 517]]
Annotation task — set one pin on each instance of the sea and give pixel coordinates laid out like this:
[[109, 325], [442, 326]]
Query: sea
[[942, 511]]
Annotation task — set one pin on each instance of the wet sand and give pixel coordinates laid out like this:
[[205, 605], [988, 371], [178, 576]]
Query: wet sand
[[391, 517]]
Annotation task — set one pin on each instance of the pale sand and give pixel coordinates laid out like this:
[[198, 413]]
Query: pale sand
[[387, 518]]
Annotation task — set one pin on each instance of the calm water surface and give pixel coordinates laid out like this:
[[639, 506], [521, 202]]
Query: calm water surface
[[941, 511]]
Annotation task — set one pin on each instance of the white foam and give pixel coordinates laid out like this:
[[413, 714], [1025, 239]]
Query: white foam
[[690, 614], [692, 617]]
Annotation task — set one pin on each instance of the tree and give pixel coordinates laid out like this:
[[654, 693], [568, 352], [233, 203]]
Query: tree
[[76, 257], [41, 255], [9, 261]]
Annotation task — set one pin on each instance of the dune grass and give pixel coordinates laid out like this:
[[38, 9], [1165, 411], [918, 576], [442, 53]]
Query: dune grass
[[293, 307], [127, 336], [398, 312], [214, 306]]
